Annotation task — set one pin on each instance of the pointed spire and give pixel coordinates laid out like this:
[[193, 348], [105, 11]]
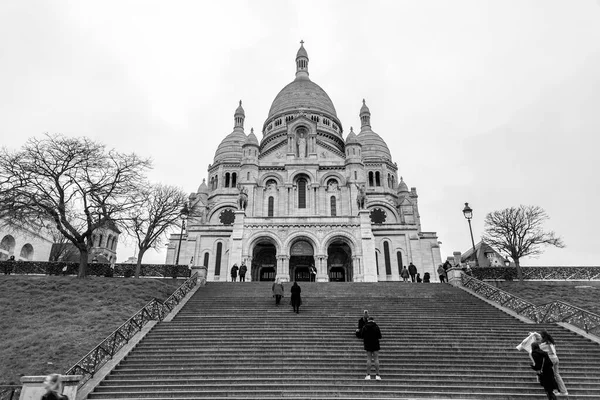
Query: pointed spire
[[239, 117], [365, 116], [301, 62]]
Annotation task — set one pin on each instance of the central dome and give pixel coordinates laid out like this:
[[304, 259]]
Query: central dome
[[302, 93]]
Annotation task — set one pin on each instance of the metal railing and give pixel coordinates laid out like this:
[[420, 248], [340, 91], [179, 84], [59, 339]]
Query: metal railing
[[10, 392], [555, 311], [539, 273], [155, 310]]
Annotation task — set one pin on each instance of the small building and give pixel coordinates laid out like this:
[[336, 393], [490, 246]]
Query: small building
[[485, 254], [104, 249], [25, 243]]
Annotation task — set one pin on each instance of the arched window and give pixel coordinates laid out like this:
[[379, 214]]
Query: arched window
[[271, 206], [370, 178], [399, 257], [114, 243], [389, 181], [212, 183], [109, 242], [205, 259], [218, 259], [26, 252], [233, 179], [377, 262], [248, 176], [377, 180], [301, 193], [386, 254], [354, 151], [355, 175], [216, 182], [227, 179], [333, 206], [100, 241], [393, 182]]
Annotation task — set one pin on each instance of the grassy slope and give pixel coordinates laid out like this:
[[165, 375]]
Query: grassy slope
[[48, 323], [544, 292]]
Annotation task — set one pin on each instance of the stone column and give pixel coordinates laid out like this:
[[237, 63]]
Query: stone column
[[357, 273], [283, 270], [368, 247], [249, 266], [321, 264], [455, 276]]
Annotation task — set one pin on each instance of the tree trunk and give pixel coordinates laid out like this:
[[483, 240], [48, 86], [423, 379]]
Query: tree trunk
[[83, 262], [519, 270], [138, 267]]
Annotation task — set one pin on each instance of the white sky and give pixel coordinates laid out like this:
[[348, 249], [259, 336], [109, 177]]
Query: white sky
[[492, 102]]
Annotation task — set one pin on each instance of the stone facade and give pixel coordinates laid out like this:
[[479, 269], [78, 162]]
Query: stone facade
[[24, 243], [304, 196]]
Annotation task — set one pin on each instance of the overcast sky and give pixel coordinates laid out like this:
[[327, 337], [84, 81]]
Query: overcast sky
[[495, 103]]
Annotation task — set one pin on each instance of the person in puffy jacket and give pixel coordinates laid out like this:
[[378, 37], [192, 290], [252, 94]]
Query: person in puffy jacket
[[412, 270], [371, 335]]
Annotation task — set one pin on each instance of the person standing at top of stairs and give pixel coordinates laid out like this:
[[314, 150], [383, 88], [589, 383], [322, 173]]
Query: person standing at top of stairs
[[412, 270], [234, 271], [371, 335], [243, 270]]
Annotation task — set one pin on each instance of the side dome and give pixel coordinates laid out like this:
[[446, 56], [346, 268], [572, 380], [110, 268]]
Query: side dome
[[251, 140], [302, 93], [230, 148], [373, 146], [203, 188], [352, 138], [402, 188]]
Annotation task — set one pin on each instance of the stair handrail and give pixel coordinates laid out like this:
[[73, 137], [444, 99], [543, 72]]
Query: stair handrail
[[554, 311], [155, 310]]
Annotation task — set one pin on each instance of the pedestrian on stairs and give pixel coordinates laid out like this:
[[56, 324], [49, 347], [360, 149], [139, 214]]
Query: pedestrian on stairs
[[442, 273], [412, 270], [426, 277], [277, 291], [404, 274], [361, 323], [234, 272], [542, 365], [371, 335], [243, 270], [54, 388], [547, 344], [419, 280], [296, 300]]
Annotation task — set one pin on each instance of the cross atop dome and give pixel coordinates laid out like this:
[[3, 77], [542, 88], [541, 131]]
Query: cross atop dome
[[301, 62], [239, 116]]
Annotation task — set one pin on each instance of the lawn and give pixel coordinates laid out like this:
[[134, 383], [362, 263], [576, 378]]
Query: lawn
[[47, 323], [575, 293]]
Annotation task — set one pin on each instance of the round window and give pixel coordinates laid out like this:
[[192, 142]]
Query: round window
[[227, 217], [378, 216]]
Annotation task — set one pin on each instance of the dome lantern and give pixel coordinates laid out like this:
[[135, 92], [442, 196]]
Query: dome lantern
[[239, 117], [302, 62], [365, 116]]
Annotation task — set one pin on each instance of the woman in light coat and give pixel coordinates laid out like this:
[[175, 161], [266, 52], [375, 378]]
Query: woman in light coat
[[277, 291], [547, 344]]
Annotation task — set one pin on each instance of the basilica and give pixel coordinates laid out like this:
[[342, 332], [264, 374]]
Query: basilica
[[305, 197]]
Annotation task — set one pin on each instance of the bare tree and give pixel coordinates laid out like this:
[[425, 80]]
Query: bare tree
[[75, 182], [518, 232], [158, 210]]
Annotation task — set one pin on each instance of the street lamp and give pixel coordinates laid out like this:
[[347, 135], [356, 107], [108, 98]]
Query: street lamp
[[183, 214], [468, 213]]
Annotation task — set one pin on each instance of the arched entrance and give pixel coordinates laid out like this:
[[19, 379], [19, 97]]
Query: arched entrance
[[339, 262], [301, 259], [264, 261]]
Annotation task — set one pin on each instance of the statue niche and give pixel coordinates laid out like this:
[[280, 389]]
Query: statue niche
[[301, 136]]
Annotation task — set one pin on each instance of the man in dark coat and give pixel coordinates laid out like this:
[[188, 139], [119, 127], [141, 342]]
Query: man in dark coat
[[412, 270], [543, 367], [296, 300], [234, 271], [243, 270], [371, 335], [361, 323]]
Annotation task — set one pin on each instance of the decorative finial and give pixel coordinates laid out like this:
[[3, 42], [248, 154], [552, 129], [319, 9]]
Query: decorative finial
[[241, 102], [352, 129], [364, 103], [402, 179], [203, 180], [252, 130], [301, 42]]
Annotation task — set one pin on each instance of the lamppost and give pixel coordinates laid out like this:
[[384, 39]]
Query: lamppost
[[183, 214], [468, 213]]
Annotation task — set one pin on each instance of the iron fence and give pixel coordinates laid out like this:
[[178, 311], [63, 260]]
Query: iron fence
[[556, 311], [538, 273]]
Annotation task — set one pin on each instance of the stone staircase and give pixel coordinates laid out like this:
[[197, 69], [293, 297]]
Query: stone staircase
[[230, 340]]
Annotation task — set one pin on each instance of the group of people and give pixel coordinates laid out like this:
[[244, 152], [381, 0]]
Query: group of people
[[542, 351], [241, 270], [296, 299], [411, 272]]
